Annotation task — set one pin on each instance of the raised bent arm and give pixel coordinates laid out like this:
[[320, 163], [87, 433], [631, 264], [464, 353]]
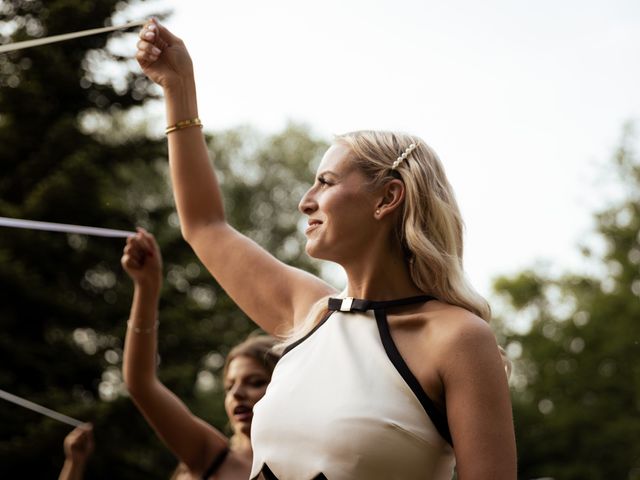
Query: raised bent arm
[[271, 293], [193, 441]]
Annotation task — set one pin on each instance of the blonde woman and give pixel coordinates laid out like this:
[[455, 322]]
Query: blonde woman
[[400, 379], [203, 451]]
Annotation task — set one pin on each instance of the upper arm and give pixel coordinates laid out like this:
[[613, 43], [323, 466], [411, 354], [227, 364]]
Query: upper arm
[[192, 440], [478, 403], [273, 294]]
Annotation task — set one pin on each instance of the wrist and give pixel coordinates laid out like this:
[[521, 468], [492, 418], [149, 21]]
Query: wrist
[[181, 100], [73, 468], [148, 288], [179, 84]]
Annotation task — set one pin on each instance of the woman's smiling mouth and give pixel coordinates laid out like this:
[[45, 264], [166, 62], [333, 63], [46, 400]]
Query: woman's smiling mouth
[[313, 224]]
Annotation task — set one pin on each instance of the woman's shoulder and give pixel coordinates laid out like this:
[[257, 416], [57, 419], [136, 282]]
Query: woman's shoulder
[[234, 464], [447, 317], [450, 328]]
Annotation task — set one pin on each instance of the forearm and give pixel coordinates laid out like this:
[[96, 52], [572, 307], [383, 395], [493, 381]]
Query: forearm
[[195, 186], [72, 470], [139, 365]]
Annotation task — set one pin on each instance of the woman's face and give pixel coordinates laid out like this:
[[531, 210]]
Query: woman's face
[[245, 383], [340, 208]]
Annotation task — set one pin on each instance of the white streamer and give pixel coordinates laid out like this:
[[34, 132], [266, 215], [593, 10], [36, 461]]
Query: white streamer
[[40, 409], [10, 47], [63, 227]]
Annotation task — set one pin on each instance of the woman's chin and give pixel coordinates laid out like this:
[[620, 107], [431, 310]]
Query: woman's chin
[[314, 251], [311, 250], [242, 429]]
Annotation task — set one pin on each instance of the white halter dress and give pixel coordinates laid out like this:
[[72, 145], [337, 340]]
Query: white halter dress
[[343, 405]]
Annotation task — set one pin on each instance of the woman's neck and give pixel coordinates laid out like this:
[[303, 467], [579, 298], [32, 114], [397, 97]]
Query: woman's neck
[[387, 277], [241, 444]]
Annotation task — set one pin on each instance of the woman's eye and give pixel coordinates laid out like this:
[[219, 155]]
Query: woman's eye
[[258, 383], [323, 181]]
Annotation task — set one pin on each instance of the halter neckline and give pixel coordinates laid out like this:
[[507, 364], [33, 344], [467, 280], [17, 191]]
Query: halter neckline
[[350, 304]]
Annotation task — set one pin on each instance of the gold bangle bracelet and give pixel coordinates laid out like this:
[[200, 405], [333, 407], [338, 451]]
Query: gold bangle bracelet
[[193, 122], [142, 331]]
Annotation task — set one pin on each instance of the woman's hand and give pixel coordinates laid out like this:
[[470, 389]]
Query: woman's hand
[[78, 445], [142, 260], [163, 56]]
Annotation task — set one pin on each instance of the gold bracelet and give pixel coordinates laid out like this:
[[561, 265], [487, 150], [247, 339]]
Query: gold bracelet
[[194, 122], [142, 331]]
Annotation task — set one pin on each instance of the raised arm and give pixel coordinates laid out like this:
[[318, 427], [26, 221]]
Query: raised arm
[[192, 440], [273, 294]]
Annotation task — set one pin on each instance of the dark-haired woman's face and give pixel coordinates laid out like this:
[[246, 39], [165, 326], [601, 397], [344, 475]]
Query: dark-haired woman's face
[[340, 208], [245, 383]]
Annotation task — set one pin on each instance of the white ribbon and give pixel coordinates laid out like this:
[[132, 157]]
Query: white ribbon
[[40, 409], [63, 227], [10, 47]]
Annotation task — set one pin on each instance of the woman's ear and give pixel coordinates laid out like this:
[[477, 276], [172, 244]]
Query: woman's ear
[[390, 198]]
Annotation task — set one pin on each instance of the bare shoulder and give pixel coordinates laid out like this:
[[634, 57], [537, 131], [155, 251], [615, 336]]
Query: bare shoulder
[[452, 323], [457, 335], [442, 344]]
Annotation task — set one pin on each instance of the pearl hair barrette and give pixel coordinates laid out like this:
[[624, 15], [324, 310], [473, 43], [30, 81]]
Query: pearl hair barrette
[[404, 156]]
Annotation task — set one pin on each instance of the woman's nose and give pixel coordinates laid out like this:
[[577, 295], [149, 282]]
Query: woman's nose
[[307, 203], [239, 392]]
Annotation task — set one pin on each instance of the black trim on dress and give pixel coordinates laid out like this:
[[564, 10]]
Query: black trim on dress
[[362, 305], [299, 341], [438, 418], [267, 474], [215, 465]]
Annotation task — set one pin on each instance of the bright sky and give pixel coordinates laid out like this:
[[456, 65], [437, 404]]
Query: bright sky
[[522, 100]]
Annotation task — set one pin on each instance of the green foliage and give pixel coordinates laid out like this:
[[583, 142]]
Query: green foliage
[[70, 155], [576, 382]]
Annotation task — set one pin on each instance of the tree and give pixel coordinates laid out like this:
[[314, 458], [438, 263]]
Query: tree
[[71, 154], [577, 376], [59, 293]]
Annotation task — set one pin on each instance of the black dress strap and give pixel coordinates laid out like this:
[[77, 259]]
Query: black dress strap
[[215, 465], [438, 418], [350, 304]]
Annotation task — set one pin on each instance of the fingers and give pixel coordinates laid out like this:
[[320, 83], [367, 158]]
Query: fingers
[[150, 242], [87, 427], [135, 252], [147, 52], [138, 249], [150, 45], [154, 38], [86, 436], [79, 435], [78, 444], [72, 437], [165, 34]]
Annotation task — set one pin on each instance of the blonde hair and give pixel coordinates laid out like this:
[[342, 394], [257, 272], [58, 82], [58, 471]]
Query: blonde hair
[[430, 228]]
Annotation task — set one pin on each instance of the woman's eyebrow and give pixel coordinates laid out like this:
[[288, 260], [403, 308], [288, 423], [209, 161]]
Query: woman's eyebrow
[[327, 172]]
